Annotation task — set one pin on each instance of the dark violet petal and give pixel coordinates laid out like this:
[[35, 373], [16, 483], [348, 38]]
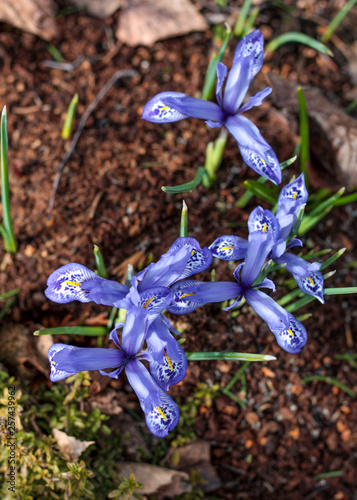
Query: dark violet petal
[[161, 412], [157, 111], [255, 151], [247, 61], [189, 294], [66, 360], [196, 108], [65, 284], [263, 221], [274, 315], [229, 247], [255, 100], [294, 338], [221, 76], [259, 247], [105, 292]]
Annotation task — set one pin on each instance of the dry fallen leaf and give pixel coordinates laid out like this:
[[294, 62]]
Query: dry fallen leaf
[[143, 22], [101, 9], [333, 135], [157, 481], [34, 16], [69, 446]]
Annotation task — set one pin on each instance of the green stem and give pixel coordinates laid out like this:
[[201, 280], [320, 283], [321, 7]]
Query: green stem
[[184, 220], [332, 381], [90, 331], [227, 356]]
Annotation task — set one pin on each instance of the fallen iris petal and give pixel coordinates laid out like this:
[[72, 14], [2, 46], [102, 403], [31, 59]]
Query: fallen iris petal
[[293, 338]]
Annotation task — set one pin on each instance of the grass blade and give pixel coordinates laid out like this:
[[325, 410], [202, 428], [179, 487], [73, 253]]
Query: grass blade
[[68, 121], [188, 186], [264, 192], [337, 20], [89, 331], [332, 381], [99, 262], [210, 79], [228, 356], [304, 136], [10, 242], [238, 29], [184, 220], [295, 36]]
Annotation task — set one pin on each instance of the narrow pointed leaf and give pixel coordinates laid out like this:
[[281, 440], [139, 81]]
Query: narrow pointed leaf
[[309, 222], [99, 262], [296, 37], [304, 136], [188, 186], [90, 331], [337, 20], [264, 192], [227, 356]]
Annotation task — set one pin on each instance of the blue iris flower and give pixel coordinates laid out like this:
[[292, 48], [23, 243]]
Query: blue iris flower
[[292, 199], [169, 107], [149, 295], [161, 412], [188, 294]]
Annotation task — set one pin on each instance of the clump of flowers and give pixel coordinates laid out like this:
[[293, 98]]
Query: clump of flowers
[[164, 285]]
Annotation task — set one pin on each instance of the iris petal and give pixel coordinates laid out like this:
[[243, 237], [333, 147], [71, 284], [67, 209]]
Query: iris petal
[[255, 151], [292, 339], [161, 412], [66, 360], [312, 285], [200, 258], [255, 100], [274, 315], [196, 108], [189, 294], [157, 111], [65, 284], [263, 221], [221, 76], [229, 247]]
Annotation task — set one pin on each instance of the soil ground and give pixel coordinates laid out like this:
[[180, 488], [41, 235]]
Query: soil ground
[[110, 195]]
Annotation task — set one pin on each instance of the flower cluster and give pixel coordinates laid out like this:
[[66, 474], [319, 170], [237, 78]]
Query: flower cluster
[[164, 285]]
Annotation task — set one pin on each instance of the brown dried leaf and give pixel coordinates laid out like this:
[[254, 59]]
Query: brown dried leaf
[[101, 9], [34, 16], [69, 446], [333, 135], [157, 481], [144, 22]]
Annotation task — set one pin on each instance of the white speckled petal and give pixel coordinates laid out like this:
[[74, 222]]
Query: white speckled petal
[[292, 339], [64, 284]]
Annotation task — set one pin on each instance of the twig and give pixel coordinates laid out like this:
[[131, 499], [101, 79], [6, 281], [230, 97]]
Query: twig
[[118, 75]]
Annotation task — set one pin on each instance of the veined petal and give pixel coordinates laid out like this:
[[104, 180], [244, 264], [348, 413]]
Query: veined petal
[[157, 111], [293, 338], [297, 265], [266, 283], [104, 291], [267, 309], [255, 100], [196, 108], [294, 242], [65, 284], [247, 61], [263, 221], [166, 271], [259, 247], [229, 247], [200, 258], [142, 311], [278, 249], [221, 76], [161, 412], [189, 294], [169, 362], [255, 151], [291, 197], [66, 360], [312, 285]]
